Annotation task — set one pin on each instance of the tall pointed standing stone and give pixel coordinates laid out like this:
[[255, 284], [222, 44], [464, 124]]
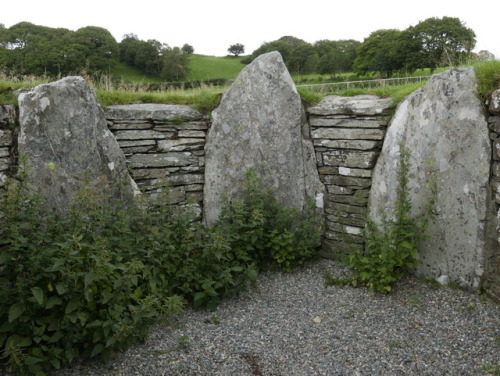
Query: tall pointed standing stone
[[444, 130], [260, 124], [64, 135]]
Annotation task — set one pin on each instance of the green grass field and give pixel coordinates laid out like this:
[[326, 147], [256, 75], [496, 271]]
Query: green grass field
[[127, 73], [202, 67]]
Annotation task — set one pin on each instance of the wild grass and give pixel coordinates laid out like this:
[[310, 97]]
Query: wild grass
[[488, 76], [132, 87], [396, 92]]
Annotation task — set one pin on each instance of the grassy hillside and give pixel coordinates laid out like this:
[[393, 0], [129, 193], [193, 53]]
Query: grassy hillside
[[202, 67], [125, 72]]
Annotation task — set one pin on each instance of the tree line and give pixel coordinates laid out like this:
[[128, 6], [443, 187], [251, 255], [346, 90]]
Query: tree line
[[26, 48], [431, 43]]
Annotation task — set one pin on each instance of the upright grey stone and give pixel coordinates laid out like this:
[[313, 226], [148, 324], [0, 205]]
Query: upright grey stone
[[64, 136], [443, 127], [260, 124]]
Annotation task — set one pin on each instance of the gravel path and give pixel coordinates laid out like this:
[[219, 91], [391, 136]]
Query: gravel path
[[290, 324]]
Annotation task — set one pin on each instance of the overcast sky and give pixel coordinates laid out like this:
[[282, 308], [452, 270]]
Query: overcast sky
[[211, 26]]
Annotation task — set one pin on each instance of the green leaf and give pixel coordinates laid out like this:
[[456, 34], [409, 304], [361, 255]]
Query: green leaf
[[61, 288], [73, 305], [55, 363], [96, 350], [30, 360], [52, 302], [89, 278], [38, 294], [16, 310]]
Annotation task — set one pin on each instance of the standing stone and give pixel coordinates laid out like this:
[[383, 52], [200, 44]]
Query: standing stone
[[443, 127], [64, 136], [259, 124]]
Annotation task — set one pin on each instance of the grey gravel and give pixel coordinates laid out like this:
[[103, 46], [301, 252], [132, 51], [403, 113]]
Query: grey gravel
[[291, 324]]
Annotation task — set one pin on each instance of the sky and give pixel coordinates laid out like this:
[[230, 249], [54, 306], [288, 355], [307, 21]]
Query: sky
[[211, 26]]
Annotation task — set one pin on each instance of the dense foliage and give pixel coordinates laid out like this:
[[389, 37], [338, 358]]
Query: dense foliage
[[429, 44], [391, 247], [26, 48], [93, 281], [300, 57], [154, 57]]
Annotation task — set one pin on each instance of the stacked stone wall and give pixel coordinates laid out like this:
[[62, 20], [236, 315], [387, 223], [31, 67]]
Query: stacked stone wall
[[347, 136], [7, 120], [492, 282], [163, 143]]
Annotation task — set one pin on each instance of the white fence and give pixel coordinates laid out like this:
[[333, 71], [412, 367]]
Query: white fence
[[370, 83]]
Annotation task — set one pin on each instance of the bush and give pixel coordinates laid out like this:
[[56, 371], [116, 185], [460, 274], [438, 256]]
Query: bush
[[391, 248], [274, 236], [92, 281]]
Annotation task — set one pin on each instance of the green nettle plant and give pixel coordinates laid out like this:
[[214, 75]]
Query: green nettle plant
[[91, 281], [274, 236], [391, 248]]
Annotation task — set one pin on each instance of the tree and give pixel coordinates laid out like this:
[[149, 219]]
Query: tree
[[174, 64], [99, 46], [187, 49], [485, 55], [335, 56], [380, 52], [236, 49], [298, 55], [439, 42]]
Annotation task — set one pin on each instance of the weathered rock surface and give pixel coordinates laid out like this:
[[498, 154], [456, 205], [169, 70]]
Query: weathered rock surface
[[162, 112], [64, 136], [441, 125], [259, 124], [360, 105], [495, 102]]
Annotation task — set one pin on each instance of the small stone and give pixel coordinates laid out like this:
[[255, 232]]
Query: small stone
[[317, 319]]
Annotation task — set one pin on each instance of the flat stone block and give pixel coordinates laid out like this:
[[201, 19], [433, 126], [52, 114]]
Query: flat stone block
[[357, 172], [181, 144], [357, 105], [5, 137], [163, 160], [191, 134], [334, 208], [348, 134], [140, 135], [153, 111], [348, 144], [345, 123], [346, 181], [353, 159]]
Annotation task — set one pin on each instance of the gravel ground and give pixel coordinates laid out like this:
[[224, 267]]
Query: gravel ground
[[290, 324]]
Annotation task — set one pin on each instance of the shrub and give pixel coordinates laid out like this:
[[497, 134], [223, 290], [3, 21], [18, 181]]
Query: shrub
[[391, 248], [92, 281], [272, 235]]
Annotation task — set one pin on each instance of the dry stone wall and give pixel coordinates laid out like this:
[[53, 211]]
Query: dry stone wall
[[163, 143], [167, 143], [7, 120], [347, 135], [492, 280]]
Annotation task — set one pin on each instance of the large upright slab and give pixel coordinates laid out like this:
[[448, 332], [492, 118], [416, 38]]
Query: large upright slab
[[445, 132], [260, 124], [64, 136]]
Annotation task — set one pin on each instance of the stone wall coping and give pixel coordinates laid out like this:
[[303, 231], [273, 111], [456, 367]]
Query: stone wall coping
[[358, 105], [154, 111]]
